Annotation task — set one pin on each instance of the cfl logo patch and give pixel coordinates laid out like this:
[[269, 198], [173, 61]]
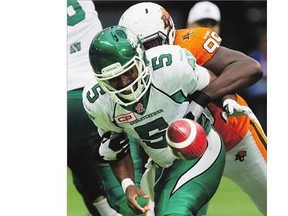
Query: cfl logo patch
[[130, 117]]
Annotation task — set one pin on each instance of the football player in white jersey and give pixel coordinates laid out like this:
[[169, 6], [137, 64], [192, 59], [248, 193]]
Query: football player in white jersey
[[140, 93], [83, 23], [244, 139]]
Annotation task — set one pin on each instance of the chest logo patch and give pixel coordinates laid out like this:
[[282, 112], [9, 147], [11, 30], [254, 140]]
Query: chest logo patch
[[130, 117]]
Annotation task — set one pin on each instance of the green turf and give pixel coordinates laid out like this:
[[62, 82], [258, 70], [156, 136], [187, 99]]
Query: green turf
[[75, 204], [228, 201]]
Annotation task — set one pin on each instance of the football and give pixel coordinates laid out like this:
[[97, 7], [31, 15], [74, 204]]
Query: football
[[186, 139]]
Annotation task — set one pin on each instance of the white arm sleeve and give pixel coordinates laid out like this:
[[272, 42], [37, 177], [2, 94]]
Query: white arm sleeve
[[204, 78]]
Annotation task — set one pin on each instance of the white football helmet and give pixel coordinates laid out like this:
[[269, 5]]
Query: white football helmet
[[151, 22]]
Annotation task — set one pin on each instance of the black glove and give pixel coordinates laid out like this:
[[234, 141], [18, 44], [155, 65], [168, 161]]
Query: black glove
[[198, 101], [113, 146]]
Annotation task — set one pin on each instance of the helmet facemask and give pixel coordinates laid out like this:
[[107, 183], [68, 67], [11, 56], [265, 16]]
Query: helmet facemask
[[120, 66], [115, 70], [156, 39]]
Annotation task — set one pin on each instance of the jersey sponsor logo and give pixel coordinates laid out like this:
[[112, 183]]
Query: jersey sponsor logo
[[240, 155], [130, 117], [150, 115]]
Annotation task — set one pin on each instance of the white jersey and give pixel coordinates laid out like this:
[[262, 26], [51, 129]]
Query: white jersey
[[83, 24], [175, 75]]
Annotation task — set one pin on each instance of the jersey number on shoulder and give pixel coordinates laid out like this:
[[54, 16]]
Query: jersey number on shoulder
[[212, 43], [75, 13], [158, 62], [93, 94]]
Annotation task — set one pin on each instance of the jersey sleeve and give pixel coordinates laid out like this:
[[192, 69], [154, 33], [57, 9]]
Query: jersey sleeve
[[201, 42], [201, 78], [114, 142], [98, 106], [179, 69]]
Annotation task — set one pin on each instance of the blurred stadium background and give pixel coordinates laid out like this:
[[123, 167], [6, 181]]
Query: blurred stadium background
[[240, 20]]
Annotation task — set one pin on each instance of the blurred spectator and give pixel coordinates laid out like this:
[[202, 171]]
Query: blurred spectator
[[205, 14], [256, 94]]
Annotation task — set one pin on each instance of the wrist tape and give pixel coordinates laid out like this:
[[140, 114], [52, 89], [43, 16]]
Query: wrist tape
[[200, 97], [125, 183]]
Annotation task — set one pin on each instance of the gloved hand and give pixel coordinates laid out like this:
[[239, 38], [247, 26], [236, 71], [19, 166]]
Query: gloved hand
[[232, 108]]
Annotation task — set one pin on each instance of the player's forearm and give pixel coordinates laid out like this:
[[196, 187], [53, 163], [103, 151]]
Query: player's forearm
[[123, 168], [235, 78], [235, 70]]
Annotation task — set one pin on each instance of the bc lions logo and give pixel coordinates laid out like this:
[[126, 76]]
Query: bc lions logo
[[186, 37], [241, 155], [168, 22]]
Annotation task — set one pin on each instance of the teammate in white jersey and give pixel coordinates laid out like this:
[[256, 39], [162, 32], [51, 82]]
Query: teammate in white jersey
[[83, 23], [139, 94]]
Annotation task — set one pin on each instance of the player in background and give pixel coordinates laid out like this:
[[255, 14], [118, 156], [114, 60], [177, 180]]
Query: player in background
[[244, 139], [205, 14], [94, 181], [138, 93], [83, 23]]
